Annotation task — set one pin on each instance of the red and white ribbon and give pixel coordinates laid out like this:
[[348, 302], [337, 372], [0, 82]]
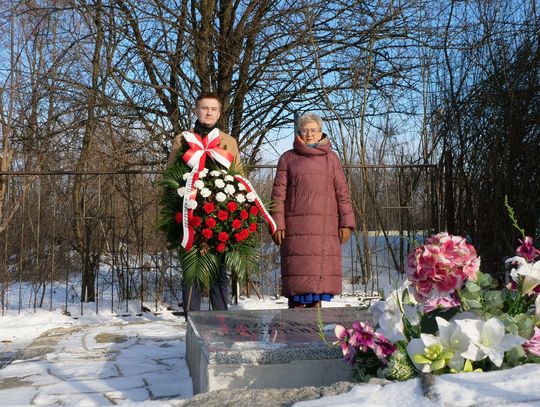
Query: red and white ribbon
[[258, 202], [200, 147], [188, 233]]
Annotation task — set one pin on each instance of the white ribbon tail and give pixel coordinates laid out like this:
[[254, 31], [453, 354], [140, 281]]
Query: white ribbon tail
[[258, 202]]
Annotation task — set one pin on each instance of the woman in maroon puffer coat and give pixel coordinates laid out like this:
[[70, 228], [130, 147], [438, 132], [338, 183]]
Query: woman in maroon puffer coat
[[313, 213]]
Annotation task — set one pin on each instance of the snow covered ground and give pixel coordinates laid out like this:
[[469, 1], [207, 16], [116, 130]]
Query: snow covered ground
[[105, 359]]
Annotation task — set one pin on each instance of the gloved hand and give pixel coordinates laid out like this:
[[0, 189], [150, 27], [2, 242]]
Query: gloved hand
[[278, 237], [344, 235]]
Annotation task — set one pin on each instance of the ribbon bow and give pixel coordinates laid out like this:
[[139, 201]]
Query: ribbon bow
[[200, 148]]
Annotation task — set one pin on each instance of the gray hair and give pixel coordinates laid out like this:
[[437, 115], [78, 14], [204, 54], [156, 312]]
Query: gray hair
[[309, 117]]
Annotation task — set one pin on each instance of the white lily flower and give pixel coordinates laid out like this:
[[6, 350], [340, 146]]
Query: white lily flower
[[389, 313], [219, 183], [487, 339], [229, 189], [417, 346], [198, 184], [452, 338], [205, 192], [181, 191], [240, 198], [250, 196], [229, 178], [220, 197], [191, 204], [531, 274]]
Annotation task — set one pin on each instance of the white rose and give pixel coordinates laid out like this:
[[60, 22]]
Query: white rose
[[250, 196], [240, 198], [224, 171], [181, 191], [198, 184], [241, 187], [229, 189], [205, 192], [219, 183], [215, 173], [229, 178], [220, 197], [203, 173], [186, 176], [191, 204]]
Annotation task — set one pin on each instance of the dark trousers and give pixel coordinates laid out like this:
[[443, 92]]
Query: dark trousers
[[219, 293]]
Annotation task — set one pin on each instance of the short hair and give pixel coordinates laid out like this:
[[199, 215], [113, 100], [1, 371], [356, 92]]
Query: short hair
[[309, 117], [208, 95]]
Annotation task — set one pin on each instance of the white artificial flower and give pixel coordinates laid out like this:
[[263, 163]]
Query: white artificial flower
[[229, 178], [240, 198], [186, 176], [452, 338], [181, 191], [219, 183], [198, 184], [531, 275], [205, 192], [215, 173], [251, 196], [220, 197], [191, 204], [417, 346], [488, 339], [241, 187], [229, 189], [389, 313]]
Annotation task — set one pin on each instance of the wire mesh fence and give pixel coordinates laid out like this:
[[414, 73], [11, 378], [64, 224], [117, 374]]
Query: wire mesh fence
[[68, 238]]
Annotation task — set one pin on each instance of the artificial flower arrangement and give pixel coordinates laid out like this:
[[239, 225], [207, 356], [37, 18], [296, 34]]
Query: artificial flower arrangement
[[209, 212], [448, 317]]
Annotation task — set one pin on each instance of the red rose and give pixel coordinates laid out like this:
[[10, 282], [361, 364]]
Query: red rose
[[196, 221], [207, 233], [254, 210], [236, 224], [244, 214], [220, 247], [222, 215], [211, 223], [239, 237], [231, 206], [245, 233], [178, 217], [253, 227], [209, 207], [223, 237]]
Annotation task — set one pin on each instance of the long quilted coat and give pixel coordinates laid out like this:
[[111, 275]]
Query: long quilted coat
[[311, 201]]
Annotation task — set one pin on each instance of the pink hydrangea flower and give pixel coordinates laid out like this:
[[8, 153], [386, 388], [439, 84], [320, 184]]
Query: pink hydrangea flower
[[527, 250], [441, 266]]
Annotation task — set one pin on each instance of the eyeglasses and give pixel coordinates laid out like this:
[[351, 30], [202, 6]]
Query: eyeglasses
[[305, 132]]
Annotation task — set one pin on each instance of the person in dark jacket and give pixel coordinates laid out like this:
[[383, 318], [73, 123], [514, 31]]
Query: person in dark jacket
[[314, 215], [208, 112]]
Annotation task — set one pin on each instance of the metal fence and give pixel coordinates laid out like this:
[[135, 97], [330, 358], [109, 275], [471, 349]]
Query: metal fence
[[41, 256]]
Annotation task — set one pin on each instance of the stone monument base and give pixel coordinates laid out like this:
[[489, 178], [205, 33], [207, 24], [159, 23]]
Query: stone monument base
[[266, 348]]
